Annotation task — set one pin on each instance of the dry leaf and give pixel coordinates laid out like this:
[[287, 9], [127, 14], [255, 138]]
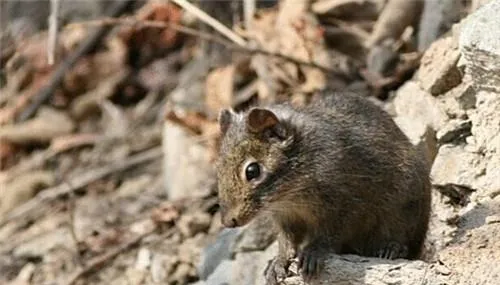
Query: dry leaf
[[165, 213], [219, 89], [48, 124], [64, 143]]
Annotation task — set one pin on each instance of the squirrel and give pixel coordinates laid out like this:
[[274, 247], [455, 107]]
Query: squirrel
[[337, 176]]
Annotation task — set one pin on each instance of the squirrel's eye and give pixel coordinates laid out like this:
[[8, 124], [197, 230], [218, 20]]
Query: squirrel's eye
[[252, 171]]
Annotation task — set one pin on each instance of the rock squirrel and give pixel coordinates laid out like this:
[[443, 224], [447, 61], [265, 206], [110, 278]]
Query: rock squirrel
[[337, 176]]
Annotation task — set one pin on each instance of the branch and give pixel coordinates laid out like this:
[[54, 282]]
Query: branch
[[209, 20], [45, 93], [208, 37], [81, 181]]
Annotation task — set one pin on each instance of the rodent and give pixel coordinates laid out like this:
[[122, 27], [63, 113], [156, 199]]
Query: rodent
[[337, 176]]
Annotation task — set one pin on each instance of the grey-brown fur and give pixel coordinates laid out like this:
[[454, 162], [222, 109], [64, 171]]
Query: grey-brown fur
[[341, 177]]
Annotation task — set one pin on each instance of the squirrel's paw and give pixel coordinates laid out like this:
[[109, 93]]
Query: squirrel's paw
[[392, 250], [276, 271], [311, 262]]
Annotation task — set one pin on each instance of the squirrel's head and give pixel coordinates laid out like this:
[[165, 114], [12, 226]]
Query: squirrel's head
[[252, 153]]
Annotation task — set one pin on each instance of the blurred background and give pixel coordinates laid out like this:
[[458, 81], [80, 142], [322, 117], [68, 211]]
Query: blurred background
[[108, 131]]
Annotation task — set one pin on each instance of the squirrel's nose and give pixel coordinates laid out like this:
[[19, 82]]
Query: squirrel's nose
[[229, 222]]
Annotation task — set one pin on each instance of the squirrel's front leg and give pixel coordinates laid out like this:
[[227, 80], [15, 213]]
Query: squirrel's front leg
[[313, 255], [277, 269]]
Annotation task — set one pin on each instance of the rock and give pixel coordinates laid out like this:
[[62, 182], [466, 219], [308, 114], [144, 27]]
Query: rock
[[192, 223], [413, 102], [437, 18], [479, 44], [182, 274], [258, 235], [355, 270], [455, 131], [420, 135], [22, 188], [486, 138], [48, 124], [419, 116], [188, 170], [458, 100], [454, 164], [162, 265], [41, 245], [486, 121], [492, 219], [443, 222], [247, 268], [190, 250], [471, 262], [438, 70], [88, 216], [217, 252]]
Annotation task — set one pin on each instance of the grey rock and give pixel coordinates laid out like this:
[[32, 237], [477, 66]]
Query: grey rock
[[246, 269], [258, 235], [216, 253], [479, 44]]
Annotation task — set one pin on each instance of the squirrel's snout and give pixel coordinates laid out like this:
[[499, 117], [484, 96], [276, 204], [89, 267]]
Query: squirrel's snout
[[228, 220], [230, 223]]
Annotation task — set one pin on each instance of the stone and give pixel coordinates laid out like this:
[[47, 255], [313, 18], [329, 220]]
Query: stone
[[471, 261], [438, 70], [479, 44], [456, 165], [190, 249], [492, 219], [22, 188], [413, 102], [247, 268], [455, 131], [88, 216], [356, 270], [48, 124], [43, 244], [187, 167], [257, 235], [420, 135], [192, 223], [217, 252]]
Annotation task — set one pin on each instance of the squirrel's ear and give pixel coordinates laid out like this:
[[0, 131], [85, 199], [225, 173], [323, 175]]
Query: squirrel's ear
[[259, 120], [225, 119]]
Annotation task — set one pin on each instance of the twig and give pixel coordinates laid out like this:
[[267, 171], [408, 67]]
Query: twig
[[53, 21], [108, 256], [45, 93], [80, 181], [208, 37], [209, 20], [248, 12]]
